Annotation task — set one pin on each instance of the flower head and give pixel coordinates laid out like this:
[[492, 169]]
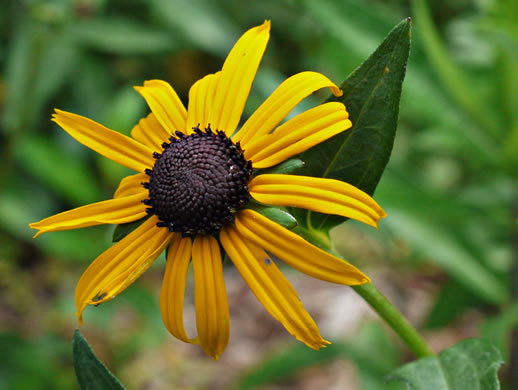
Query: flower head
[[196, 176]]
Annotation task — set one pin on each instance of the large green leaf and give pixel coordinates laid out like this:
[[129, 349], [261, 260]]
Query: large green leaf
[[471, 364], [91, 373], [371, 95]]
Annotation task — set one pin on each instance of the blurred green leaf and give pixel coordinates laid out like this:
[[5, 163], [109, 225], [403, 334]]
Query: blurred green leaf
[[359, 156], [453, 300], [452, 77], [211, 28], [91, 373], [497, 329], [58, 169], [442, 249], [39, 63], [122, 36], [470, 364]]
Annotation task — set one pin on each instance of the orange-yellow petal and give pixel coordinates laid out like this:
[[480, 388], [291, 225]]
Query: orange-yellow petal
[[109, 143], [165, 105], [201, 98], [210, 297], [173, 287], [281, 102], [295, 251], [120, 265], [271, 288], [113, 211], [327, 196], [236, 78], [298, 134], [131, 185], [150, 132]]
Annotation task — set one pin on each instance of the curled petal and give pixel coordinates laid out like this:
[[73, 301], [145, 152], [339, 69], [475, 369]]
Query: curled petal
[[150, 132], [120, 265], [165, 105], [298, 134], [296, 251], [173, 287], [317, 194], [109, 143], [271, 288], [201, 98], [131, 185], [281, 102], [113, 211], [210, 297], [236, 78]]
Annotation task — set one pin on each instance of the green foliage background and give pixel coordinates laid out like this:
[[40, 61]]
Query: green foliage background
[[450, 187]]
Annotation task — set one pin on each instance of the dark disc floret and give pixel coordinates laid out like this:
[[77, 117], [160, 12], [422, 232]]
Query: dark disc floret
[[198, 182]]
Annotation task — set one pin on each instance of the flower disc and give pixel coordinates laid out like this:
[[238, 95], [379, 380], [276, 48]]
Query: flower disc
[[198, 182]]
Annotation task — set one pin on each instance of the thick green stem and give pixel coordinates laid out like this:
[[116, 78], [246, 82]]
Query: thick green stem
[[395, 319]]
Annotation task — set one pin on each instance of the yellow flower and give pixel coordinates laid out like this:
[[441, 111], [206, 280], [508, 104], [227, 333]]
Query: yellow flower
[[195, 177]]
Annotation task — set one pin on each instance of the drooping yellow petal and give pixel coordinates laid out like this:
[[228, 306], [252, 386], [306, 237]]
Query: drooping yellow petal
[[281, 102], [271, 288], [327, 196], [109, 143], [150, 132], [201, 98], [297, 252], [298, 134], [173, 287], [113, 211], [165, 104], [131, 185], [120, 265], [236, 78], [210, 297]]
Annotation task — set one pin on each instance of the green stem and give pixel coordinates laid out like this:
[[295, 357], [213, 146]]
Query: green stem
[[395, 319], [378, 302]]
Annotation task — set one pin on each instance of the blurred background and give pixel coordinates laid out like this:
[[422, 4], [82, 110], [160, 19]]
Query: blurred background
[[446, 255]]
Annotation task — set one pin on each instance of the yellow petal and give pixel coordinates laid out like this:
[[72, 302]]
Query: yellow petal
[[327, 196], [298, 134], [236, 78], [271, 288], [173, 287], [120, 265], [201, 99], [109, 143], [131, 185], [281, 102], [150, 132], [165, 104], [113, 211], [210, 297], [295, 251]]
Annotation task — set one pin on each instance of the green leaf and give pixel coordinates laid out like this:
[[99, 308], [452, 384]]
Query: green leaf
[[121, 36], [123, 229], [471, 364], [91, 373], [359, 155], [58, 169]]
